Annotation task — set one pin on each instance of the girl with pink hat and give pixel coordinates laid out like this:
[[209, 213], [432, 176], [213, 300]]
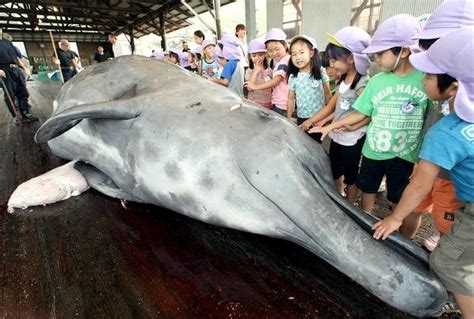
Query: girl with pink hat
[[344, 53], [449, 144], [396, 103], [258, 65], [276, 45]]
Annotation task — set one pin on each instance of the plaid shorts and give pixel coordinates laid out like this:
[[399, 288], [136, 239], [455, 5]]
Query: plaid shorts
[[453, 260]]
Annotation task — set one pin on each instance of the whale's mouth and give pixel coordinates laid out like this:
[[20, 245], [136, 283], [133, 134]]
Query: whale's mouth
[[101, 182], [395, 241]]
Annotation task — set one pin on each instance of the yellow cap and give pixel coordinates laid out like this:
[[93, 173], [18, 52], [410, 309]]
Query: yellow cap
[[331, 39]]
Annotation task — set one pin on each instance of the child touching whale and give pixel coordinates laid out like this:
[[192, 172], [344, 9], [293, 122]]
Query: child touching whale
[[449, 144]]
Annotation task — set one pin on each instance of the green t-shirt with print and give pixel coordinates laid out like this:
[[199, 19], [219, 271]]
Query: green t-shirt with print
[[397, 106]]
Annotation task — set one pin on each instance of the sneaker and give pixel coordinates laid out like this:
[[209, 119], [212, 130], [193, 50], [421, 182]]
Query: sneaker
[[431, 242], [450, 309], [16, 121]]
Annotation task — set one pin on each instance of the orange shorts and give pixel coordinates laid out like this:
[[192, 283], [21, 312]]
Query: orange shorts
[[442, 203]]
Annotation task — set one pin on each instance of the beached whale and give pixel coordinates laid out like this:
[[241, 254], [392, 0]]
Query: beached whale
[[147, 131]]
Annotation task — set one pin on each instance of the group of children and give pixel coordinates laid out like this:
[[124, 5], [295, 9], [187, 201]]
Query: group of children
[[417, 111], [447, 63], [222, 63]]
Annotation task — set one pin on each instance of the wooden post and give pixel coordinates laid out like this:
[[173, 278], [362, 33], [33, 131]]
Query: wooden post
[[56, 55], [12, 103]]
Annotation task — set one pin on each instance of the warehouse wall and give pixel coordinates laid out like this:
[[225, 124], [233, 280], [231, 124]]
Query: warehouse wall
[[416, 8], [322, 16], [274, 14]]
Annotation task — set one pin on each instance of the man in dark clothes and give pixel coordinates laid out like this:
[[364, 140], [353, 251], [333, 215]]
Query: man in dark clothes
[[68, 60], [23, 76], [100, 56], [10, 74], [109, 47]]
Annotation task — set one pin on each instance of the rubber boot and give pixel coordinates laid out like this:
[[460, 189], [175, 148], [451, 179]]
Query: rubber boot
[[25, 112]]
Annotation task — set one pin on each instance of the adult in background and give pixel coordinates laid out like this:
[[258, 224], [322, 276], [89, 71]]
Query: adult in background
[[118, 47], [22, 65], [68, 60], [100, 56], [240, 33], [10, 74], [199, 37]]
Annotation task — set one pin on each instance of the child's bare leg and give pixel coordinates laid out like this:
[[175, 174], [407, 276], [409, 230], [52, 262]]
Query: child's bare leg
[[352, 193], [465, 303], [410, 225], [340, 185], [368, 202]]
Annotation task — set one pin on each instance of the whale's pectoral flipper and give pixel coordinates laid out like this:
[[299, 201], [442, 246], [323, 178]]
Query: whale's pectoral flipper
[[63, 121], [101, 182]]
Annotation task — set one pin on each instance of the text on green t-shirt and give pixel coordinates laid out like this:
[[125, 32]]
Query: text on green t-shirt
[[397, 106]]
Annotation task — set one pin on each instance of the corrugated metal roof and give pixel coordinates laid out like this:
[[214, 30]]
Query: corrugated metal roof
[[91, 20]]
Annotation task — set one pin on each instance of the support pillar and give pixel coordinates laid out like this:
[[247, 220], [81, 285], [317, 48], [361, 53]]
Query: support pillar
[[217, 9], [162, 29], [274, 14], [250, 19], [132, 38]]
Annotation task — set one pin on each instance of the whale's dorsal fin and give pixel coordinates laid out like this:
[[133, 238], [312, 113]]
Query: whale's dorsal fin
[[98, 180], [67, 119]]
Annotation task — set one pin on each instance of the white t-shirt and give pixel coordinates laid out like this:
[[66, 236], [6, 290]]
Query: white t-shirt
[[121, 48], [344, 108], [245, 50]]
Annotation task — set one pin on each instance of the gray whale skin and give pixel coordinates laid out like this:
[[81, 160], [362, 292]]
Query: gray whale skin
[[150, 132]]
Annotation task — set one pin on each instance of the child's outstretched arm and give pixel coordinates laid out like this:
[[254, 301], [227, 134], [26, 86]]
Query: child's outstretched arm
[[290, 107], [223, 82], [262, 86], [327, 92], [348, 120], [355, 126], [323, 113], [200, 68], [326, 119], [420, 185]]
